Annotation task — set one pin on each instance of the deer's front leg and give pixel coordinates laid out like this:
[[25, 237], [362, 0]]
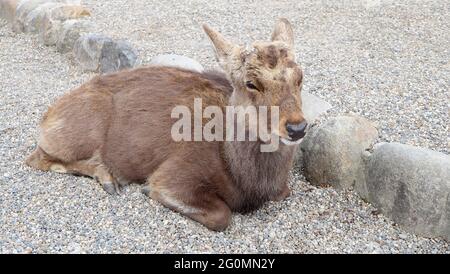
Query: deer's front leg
[[284, 193], [183, 191]]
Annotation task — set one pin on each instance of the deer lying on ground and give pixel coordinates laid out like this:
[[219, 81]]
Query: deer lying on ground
[[116, 129]]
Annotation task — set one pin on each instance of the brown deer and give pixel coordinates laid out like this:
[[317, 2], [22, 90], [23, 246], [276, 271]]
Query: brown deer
[[116, 129]]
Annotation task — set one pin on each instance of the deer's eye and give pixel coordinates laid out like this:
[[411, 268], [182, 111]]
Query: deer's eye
[[250, 85]]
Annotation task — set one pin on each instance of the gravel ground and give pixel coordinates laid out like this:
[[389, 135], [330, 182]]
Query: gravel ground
[[385, 61]]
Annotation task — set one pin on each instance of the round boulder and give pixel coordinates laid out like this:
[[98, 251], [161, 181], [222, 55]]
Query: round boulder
[[50, 24], [35, 18], [8, 10], [88, 49], [69, 33], [411, 185], [332, 153], [117, 55], [24, 7]]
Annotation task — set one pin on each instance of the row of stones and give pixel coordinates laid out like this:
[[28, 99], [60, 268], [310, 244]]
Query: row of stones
[[411, 185], [66, 24]]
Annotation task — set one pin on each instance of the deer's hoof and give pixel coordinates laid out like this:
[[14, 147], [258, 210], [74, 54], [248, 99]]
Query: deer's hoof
[[146, 190], [111, 188]]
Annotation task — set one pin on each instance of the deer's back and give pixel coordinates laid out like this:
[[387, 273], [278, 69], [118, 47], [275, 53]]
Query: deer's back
[[138, 138]]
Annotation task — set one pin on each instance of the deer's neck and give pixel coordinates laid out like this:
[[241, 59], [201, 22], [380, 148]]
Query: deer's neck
[[257, 176]]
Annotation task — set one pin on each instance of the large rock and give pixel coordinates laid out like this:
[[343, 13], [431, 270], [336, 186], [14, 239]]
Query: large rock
[[50, 31], [38, 17], [88, 50], [34, 19], [411, 185], [8, 9], [117, 55], [25, 7], [70, 31], [332, 153], [178, 61], [50, 25]]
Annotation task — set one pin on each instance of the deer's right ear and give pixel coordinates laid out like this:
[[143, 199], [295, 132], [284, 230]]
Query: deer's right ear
[[283, 32], [222, 46]]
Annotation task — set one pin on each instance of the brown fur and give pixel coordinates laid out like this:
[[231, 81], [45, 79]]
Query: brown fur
[[116, 128]]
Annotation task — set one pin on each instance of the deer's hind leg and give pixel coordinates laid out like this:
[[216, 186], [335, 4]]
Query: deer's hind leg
[[71, 135], [92, 167], [39, 159], [183, 189]]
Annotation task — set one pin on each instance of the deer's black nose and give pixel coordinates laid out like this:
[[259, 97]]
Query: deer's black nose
[[296, 131]]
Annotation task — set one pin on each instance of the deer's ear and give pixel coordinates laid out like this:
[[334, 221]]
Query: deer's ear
[[222, 46], [283, 32]]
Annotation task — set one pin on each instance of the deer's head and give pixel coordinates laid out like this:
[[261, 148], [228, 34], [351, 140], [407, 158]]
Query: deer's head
[[265, 74]]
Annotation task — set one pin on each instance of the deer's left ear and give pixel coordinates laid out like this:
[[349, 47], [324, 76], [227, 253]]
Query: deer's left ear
[[283, 32], [223, 47]]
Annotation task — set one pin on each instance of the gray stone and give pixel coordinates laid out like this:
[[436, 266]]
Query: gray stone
[[88, 50], [332, 153], [25, 7], [117, 55], [313, 106], [50, 31], [178, 61], [411, 185], [33, 21], [65, 11], [8, 9], [69, 33], [47, 20]]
